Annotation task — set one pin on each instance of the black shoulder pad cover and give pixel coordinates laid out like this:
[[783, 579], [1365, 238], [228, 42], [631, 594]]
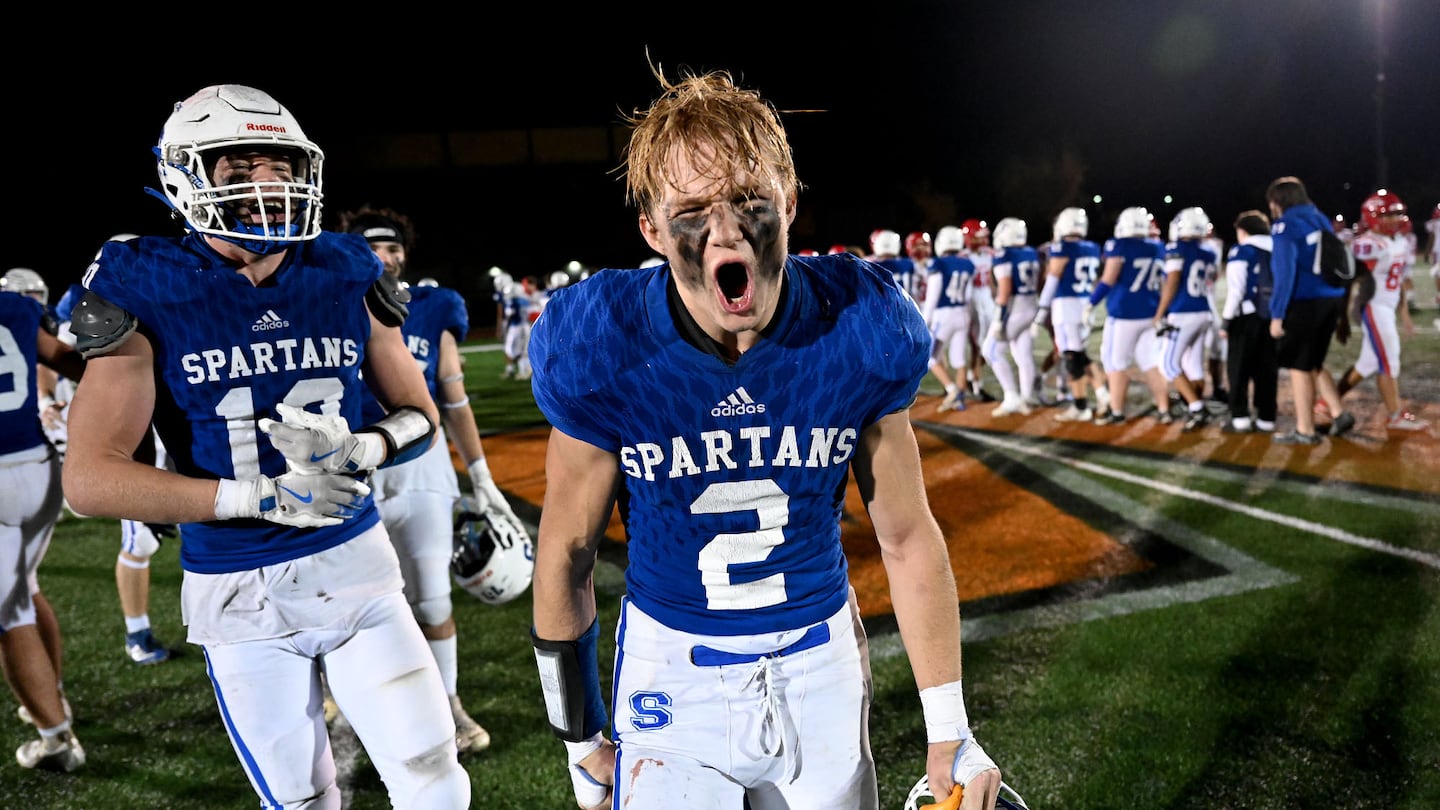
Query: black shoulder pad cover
[[387, 299], [99, 325], [50, 324]]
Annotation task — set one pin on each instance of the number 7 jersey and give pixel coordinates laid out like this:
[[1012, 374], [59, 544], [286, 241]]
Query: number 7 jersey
[[226, 352], [733, 476]]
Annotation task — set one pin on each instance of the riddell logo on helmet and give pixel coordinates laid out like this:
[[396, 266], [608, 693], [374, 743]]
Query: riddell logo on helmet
[[265, 128]]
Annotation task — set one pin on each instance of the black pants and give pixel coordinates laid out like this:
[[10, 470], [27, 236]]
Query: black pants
[[1252, 359]]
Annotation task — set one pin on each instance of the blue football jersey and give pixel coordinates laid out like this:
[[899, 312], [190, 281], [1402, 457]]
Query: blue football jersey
[[956, 275], [902, 269], [1198, 266], [20, 317], [1136, 294], [433, 311], [1082, 266], [733, 476], [1021, 264], [226, 352]]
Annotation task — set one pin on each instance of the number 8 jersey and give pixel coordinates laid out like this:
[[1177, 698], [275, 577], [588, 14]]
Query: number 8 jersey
[[226, 352], [733, 476]]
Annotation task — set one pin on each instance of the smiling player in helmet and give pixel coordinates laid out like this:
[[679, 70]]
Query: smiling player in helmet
[[245, 341]]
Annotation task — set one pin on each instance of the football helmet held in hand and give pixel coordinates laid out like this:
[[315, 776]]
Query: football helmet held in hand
[[492, 558], [1007, 800]]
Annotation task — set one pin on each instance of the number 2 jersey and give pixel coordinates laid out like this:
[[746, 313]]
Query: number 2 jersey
[[226, 352], [733, 477]]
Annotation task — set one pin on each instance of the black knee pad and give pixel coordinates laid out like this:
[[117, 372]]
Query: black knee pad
[[1075, 364]]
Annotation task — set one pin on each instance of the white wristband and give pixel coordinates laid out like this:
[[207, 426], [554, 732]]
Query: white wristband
[[237, 499], [479, 470], [578, 751], [945, 716]]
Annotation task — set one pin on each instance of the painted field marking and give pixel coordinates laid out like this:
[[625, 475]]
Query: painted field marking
[[1422, 557]]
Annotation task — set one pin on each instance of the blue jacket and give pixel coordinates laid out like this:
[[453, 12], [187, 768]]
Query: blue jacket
[[1292, 262]]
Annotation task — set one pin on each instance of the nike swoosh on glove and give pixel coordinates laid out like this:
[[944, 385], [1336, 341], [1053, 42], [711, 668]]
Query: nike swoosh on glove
[[313, 442], [309, 500]]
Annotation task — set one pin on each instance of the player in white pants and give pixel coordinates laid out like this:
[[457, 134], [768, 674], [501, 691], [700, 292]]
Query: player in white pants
[[1016, 270]]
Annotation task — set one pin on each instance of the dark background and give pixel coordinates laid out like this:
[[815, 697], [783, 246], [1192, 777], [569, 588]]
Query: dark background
[[919, 114]]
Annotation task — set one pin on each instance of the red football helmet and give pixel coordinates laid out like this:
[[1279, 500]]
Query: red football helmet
[[838, 247], [976, 232], [917, 239], [1383, 212]]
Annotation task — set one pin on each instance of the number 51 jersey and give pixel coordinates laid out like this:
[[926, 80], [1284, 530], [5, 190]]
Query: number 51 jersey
[[227, 351], [733, 477]]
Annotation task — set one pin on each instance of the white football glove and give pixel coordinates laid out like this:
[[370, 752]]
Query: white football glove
[[997, 332], [299, 499], [312, 442], [488, 498]]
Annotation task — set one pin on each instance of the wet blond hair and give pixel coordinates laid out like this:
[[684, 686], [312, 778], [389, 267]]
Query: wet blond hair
[[703, 110]]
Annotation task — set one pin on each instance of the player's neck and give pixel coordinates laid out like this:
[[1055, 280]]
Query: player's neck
[[254, 266]]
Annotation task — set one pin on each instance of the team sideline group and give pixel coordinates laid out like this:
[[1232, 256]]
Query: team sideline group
[[1200, 326]]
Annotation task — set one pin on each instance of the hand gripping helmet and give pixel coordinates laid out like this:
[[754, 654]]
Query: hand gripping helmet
[[1383, 212], [1011, 232], [1007, 800], [218, 120], [25, 281], [1072, 222], [1133, 222], [885, 243], [492, 559], [914, 240], [1190, 223], [949, 239], [974, 230]]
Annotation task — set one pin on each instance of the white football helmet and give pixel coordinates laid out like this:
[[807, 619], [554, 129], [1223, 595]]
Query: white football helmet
[[217, 120], [1007, 800], [885, 243], [1190, 223], [949, 239], [25, 281], [1072, 222], [427, 282], [1133, 222], [503, 282], [559, 279], [492, 558], [653, 261], [1010, 232]]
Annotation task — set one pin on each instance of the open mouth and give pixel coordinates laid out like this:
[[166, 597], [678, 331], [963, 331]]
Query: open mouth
[[733, 282]]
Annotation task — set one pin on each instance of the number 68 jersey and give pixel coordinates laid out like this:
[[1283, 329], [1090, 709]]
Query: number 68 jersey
[[226, 352], [733, 477]]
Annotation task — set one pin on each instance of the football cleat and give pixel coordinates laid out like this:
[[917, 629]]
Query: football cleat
[[1297, 438], [1196, 420], [1007, 800], [1110, 418], [954, 401], [143, 649], [1074, 414], [469, 735], [1011, 405], [1342, 424], [59, 753], [1406, 421]]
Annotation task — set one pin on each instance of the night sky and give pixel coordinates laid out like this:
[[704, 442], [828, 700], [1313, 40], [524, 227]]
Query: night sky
[[920, 114]]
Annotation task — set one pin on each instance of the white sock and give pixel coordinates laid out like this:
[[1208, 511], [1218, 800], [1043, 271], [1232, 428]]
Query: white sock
[[134, 624], [445, 652]]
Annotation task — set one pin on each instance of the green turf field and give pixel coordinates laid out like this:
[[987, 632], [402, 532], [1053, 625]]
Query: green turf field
[[1274, 662]]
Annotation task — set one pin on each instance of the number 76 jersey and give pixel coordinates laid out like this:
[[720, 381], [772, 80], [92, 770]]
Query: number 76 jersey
[[226, 352], [733, 476]]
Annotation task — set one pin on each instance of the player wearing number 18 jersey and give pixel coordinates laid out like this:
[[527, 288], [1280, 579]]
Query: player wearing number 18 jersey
[[244, 342]]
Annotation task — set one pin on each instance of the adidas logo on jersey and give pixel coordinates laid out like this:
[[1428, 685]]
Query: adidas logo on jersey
[[269, 321], [738, 403]]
